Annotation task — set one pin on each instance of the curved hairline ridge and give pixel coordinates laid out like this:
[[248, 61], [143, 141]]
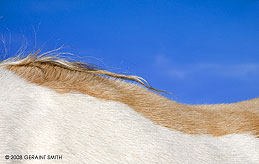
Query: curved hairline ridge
[[53, 58]]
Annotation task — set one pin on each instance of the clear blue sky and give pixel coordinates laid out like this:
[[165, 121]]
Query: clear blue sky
[[204, 51]]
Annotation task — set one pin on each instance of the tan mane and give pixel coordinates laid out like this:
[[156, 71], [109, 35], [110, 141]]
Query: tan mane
[[63, 76], [36, 59]]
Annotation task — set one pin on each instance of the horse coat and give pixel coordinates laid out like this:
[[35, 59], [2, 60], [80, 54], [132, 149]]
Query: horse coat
[[49, 106]]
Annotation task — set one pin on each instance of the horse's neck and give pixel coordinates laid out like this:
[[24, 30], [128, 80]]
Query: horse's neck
[[36, 120]]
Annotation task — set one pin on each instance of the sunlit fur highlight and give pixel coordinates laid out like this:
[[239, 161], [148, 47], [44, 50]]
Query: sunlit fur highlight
[[65, 77]]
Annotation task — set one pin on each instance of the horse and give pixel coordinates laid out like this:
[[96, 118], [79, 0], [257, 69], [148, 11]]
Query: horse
[[53, 110]]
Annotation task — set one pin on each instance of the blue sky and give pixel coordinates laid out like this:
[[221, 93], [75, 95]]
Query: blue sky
[[203, 51]]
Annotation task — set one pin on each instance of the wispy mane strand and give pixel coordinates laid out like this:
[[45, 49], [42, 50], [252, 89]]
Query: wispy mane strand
[[52, 57]]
